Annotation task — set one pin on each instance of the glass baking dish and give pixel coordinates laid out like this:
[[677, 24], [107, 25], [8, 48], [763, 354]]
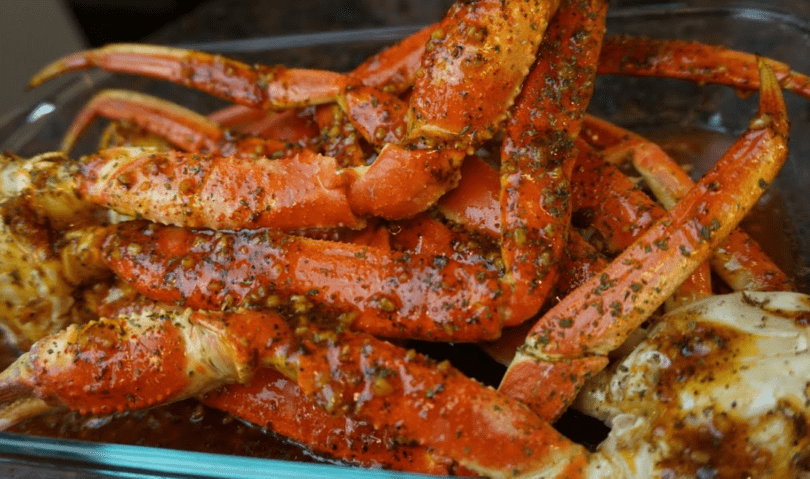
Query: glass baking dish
[[695, 122]]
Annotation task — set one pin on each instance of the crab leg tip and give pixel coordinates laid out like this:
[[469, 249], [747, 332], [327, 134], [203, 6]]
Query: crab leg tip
[[72, 62]]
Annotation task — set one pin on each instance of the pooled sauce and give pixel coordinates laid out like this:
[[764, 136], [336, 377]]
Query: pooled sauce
[[185, 425]]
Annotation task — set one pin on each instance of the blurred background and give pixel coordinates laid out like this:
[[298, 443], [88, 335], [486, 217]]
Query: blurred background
[[35, 32]]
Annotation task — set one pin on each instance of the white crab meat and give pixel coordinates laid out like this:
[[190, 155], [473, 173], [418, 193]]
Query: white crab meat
[[720, 388], [48, 246]]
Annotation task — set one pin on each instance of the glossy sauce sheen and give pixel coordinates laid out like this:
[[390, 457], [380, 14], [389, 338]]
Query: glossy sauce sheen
[[699, 355], [187, 425], [390, 294]]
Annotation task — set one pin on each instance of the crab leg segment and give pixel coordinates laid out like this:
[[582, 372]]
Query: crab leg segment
[[597, 317], [274, 401], [258, 86], [390, 294], [473, 68], [639, 56], [436, 405], [739, 260], [107, 366], [223, 192], [183, 128], [180, 126], [538, 154], [395, 68]]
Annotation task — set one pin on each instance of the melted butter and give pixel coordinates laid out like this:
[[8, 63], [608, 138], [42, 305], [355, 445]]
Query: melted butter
[[185, 425], [700, 434]]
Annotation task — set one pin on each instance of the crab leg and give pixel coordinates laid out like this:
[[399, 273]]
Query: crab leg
[[390, 294], [538, 154], [621, 214], [219, 191], [697, 62], [193, 132], [166, 356], [392, 69], [274, 401], [189, 131], [449, 412], [265, 87], [181, 127], [598, 316], [284, 186], [143, 363], [739, 260], [461, 98]]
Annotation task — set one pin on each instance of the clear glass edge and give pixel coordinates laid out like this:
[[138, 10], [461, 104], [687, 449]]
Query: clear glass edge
[[116, 460], [141, 461]]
